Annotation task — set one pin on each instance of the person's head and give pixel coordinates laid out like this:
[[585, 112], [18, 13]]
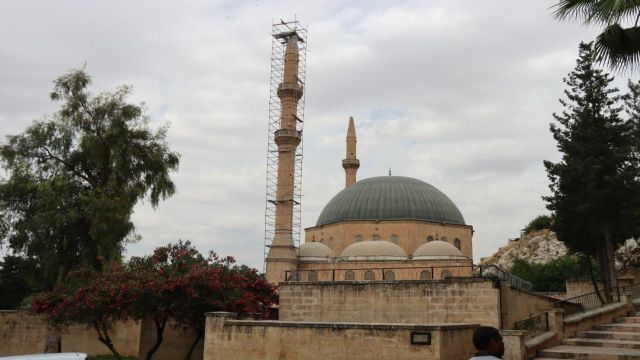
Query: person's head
[[488, 339]]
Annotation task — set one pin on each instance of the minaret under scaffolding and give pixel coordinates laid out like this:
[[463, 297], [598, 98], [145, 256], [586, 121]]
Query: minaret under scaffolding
[[351, 163], [282, 254]]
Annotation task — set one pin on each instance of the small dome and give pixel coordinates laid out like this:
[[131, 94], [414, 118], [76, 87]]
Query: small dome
[[437, 249], [374, 248], [315, 249]]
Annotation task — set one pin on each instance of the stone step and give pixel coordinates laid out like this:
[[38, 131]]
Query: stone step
[[627, 344], [618, 327], [618, 335], [628, 319], [589, 353]]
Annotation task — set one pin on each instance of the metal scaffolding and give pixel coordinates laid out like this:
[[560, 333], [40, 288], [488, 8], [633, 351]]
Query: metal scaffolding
[[280, 32]]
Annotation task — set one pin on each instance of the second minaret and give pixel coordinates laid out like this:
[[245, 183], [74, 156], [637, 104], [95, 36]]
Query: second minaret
[[351, 163]]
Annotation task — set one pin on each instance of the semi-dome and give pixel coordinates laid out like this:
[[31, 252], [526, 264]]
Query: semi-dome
[[315, 250], [437, 249], [374, 248], [390, 198]]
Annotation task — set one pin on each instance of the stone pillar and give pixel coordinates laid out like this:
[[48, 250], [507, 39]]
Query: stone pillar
[[514, 346]]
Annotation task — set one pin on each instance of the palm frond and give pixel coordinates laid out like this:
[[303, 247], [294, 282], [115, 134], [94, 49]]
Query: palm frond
[[597, 11], [619, 47]]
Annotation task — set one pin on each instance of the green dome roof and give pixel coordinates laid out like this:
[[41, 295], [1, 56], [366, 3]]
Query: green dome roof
[[390, 198]]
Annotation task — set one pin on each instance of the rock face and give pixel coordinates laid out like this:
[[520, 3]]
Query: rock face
[[542, 246], [537, 247]]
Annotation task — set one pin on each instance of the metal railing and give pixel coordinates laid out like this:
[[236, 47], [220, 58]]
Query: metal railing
[[500, 273], [534, 325], [633, 290], [586, 302]]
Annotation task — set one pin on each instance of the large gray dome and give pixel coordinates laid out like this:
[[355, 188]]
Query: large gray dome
[[390, 198]]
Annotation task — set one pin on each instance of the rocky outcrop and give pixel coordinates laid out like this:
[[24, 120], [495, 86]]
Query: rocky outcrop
[[536, 247]]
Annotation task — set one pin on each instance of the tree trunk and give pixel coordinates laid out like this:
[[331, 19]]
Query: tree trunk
[[195, 342], [53, 340], [103, 336], [609, 255], [587, 259], [159, 333]]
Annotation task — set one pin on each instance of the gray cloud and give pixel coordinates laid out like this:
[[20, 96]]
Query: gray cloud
[[457, 93]]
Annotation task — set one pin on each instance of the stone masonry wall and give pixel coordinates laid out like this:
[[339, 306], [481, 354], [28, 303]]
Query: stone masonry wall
[[518, 305], [23, 333], [469, 300], [175, 344], [232, 339]]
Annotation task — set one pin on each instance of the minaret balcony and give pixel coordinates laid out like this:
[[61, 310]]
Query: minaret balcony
[[286, 136], [350, 163], [287, 89]]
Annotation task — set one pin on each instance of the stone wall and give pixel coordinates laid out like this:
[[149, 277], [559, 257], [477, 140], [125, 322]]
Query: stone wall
[[175, 345], [233, 339], [465, 300], [23, 333], [518, 305]]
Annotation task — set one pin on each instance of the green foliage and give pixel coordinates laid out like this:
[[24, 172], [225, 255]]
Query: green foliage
[[175, 283], [15, 273], [541, 222], [74, 178], [595, 189], [617, 45], [551, 276]]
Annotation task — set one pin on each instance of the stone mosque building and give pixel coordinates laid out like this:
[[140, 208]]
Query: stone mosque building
[[380, 228]]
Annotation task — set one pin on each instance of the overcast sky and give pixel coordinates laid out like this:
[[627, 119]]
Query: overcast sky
[[456, 93]]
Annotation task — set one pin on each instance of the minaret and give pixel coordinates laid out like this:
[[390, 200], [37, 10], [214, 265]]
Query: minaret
[[350, 163], [282, 254]]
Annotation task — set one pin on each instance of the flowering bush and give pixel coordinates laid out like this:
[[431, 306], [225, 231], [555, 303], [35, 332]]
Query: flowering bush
[[174, 283]]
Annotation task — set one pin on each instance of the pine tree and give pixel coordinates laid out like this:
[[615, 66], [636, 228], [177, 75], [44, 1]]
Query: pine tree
[[595, 188]]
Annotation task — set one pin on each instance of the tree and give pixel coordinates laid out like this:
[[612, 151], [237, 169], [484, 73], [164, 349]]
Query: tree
[[595, 188], [617, 45], [552, 276], [15, 281], [178, 283], [541, 222], [74, 178], [98, 299]]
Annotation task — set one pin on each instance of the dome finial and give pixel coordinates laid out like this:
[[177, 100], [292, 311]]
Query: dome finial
[[389, 171]]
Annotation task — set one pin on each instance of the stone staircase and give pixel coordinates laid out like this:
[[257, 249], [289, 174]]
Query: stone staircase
[[619, 340]]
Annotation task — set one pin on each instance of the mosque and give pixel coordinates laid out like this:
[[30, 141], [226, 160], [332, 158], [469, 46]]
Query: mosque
[[380, 228]]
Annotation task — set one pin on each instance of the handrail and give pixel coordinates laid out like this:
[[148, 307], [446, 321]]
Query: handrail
[[503, 275], [586, 302], [535, 325]]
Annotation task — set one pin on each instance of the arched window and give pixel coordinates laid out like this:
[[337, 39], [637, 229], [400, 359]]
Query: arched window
[[358, 238], [312, 276], [369, 275], [293, 276], [388, 275], [349, 275], [456, 243], [375, 237], [429, 238], [425, 275], [444, 238], [445, 274], [395, 239]]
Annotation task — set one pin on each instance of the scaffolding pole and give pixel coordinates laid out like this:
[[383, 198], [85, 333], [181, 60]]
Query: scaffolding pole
[[280, 32]]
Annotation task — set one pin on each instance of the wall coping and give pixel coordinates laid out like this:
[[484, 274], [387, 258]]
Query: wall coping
[[368, 326], [573, 319], [539, 339]]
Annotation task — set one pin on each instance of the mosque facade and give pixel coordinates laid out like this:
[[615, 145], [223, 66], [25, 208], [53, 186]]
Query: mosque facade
[[380, 228]]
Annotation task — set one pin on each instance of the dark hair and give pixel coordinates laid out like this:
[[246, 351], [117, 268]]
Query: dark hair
[[483, 335]]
